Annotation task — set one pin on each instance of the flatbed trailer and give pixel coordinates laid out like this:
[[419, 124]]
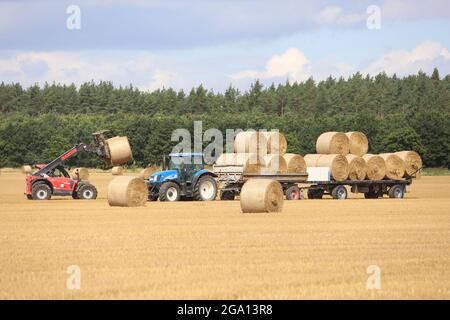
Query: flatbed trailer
[[372, 189], [295, 185]]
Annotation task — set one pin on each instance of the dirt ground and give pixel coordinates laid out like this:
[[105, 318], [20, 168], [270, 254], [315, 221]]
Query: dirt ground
[[189, 250]]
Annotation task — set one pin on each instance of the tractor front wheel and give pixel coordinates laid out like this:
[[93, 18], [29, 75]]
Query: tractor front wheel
[[205, 189], [169, 191]]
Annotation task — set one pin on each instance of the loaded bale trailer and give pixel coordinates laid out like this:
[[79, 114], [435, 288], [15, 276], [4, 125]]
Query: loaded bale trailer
[[320, 184]]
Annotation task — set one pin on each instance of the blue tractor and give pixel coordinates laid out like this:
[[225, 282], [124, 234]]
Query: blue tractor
[[183, 177]]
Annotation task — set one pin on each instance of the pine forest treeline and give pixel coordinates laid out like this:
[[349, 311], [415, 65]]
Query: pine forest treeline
[[38, 123]]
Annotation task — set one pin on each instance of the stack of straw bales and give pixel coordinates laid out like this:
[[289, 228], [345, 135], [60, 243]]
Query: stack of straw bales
[[260, 152], [333, 147]]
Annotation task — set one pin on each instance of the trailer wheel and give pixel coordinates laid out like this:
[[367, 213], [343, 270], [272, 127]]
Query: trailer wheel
[[169, 191], [396, 191], [205, 189], [41, 191], [227, 195], [315, 193], [339, 193], [292, 193]]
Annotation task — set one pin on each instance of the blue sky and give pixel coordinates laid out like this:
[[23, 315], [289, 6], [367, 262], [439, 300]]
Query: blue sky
[[184, 43]]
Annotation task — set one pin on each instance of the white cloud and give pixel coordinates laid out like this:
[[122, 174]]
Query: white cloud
[[335, 15], [121, 67], [415, 10], [424, 57], [161, 79], [150, 71], [292, 65]]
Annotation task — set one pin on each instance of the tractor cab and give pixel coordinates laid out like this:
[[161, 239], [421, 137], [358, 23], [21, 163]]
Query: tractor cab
[[56, 172], [185, 164], [182, 176]]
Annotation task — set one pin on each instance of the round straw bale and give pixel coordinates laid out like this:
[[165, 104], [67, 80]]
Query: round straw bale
[[295, 163], [412, 161], [276, 142], [250, 142], [26, 169], [311, 159], [376, 168], [127, 191], [332, 143], [119, 150], [250, 162], [357, 167], [395, 167], [80, 173], [145, 173], [261, 195], [359, 145], [117, 171], [337, 164], [275, 163]]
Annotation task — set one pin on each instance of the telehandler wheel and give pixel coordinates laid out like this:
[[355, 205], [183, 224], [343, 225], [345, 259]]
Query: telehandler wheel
[[87, 192], [169, 191], [205, 189], [339, 193], [41, 191], [292, 193]]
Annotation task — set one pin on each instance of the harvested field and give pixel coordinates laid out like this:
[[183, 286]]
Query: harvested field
[[189, 250]]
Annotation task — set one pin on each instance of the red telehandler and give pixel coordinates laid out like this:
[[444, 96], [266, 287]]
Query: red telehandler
[[52, 179]]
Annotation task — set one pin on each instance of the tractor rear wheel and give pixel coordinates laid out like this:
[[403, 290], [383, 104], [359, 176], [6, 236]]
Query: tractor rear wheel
[[205, 189], [169, 191], [41, 191], [87, 192]]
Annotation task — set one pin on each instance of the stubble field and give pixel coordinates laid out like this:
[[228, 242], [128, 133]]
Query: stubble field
[[197, 250]]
